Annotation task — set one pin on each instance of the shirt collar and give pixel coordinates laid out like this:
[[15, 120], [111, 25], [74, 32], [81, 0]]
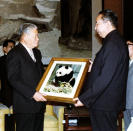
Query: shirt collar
[[28, 49], [130, 62]]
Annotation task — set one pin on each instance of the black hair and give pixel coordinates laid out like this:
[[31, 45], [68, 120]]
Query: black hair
[[5, 43], [110, 16]]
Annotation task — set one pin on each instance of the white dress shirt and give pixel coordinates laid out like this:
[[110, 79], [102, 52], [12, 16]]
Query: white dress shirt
[[130, 62], [30, 51]]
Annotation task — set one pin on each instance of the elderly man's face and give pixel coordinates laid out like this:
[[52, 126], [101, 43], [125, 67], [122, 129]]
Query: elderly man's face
[[32, 38]]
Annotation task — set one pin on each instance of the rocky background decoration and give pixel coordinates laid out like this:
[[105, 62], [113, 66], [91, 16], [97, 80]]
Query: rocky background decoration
[[46, 15], [15, 12]]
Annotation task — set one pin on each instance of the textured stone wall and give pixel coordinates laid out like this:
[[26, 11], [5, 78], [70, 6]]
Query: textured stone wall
[[15, 12], [12, 7]]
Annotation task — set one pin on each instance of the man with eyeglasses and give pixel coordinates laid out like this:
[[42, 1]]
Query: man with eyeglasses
[[128, 114], [106, 87]]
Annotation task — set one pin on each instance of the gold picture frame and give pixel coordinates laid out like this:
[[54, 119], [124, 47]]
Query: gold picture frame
[[59, 90]]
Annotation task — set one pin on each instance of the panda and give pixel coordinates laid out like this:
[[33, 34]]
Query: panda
[[65, 74]]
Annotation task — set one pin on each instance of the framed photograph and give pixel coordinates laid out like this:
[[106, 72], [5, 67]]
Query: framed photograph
[[63, 79]]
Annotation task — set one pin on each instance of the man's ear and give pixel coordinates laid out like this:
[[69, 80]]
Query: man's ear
[[109, 23], [4, 50], [24, 37]]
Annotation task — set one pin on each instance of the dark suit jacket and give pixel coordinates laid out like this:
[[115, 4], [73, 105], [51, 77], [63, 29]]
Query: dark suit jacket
[[24, 75], [6, 90], [106, 87]]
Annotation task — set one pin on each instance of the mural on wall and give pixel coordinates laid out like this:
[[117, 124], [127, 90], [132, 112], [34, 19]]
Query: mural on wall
[[15, 12], [44, 13], [53, 22]]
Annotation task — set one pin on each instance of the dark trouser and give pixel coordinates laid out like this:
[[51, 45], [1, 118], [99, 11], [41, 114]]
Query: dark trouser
[[29, 122], [9, 122], [104, 120]]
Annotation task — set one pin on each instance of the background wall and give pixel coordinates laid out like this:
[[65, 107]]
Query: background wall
[[128, 21], [46, 14], [116, 6]]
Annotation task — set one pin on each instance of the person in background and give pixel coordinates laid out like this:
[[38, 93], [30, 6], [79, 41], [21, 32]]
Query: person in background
[[25, 69], [6, 89], [128, 113], [106, 88]]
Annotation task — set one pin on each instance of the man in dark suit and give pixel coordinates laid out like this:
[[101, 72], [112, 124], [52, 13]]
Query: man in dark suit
[[6, 89], [106, 88], [25, 69], [128, 113]]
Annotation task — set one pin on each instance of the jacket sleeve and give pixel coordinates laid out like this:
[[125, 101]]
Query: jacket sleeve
[[111, 60]]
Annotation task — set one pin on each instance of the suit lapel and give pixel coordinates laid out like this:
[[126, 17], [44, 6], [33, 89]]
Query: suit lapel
[[29, 59]]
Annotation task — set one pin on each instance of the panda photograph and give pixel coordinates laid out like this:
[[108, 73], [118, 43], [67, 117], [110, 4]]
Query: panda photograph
[[63, 78]]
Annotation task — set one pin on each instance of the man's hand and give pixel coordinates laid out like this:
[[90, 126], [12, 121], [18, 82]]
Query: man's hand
[[77, 102], [39, 96]]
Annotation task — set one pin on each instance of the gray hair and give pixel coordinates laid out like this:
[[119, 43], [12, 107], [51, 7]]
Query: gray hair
[[26, 27]]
